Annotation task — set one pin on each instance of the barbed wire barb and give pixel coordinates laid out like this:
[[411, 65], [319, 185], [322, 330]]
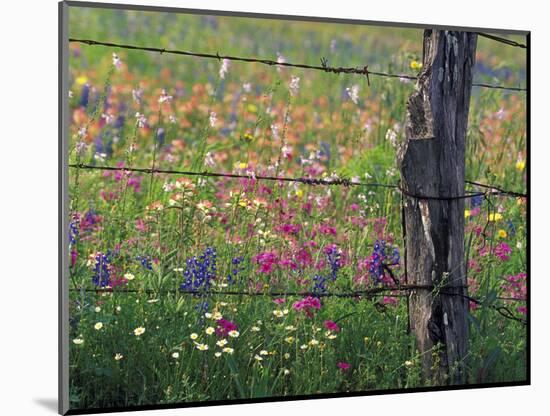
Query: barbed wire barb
[[323, 67]]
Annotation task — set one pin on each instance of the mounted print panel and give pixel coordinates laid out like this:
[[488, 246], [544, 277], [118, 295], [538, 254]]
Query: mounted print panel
[[262, 208]]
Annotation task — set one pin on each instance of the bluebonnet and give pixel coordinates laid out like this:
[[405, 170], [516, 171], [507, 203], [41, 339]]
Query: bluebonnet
[[103, 146], [199, 272], [379, 259], [73, 232], [84, 96], [333, 258], [476, 201], [106, 104], [325, 150], [201, 308], [511, 227], [145, 262], [102, 271], [236, 268], [320, 284], [91, 217], [119, 122], [161, 133]]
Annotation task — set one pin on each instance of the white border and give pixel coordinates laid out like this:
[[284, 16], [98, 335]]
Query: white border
[[28, 207]]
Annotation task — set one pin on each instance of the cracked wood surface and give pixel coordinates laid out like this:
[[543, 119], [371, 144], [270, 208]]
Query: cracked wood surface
[[432, 162]]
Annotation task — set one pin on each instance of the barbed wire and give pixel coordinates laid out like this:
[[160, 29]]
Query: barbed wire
[[497, 188], [358, 294], [492, 190], [323, 67], [508, 42]]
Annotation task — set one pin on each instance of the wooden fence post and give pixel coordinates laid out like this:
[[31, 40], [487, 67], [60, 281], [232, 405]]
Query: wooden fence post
[[432, 163]]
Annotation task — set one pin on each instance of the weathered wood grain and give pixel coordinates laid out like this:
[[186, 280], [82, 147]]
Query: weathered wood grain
[[432, 162]]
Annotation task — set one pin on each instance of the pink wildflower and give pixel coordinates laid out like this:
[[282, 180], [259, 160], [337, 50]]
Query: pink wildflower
[[266, 260], [503, 251], [390, 300], [522, 310], [343, 366], [140, 225], [304, 258], [224, 327], [475, 211], [290, 228], [332, 326], [307, 304], [327, 229], [74, 255]]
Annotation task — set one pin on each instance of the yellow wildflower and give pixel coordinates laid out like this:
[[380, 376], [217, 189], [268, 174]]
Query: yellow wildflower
[[495, 216], [520, 165], [466, 213], [81, 80], [416, 65], [78, 341], [98, 326], [118, 356], [502, 233]]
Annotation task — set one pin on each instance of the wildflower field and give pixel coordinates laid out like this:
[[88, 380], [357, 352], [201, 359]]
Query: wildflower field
[[190, 288]]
